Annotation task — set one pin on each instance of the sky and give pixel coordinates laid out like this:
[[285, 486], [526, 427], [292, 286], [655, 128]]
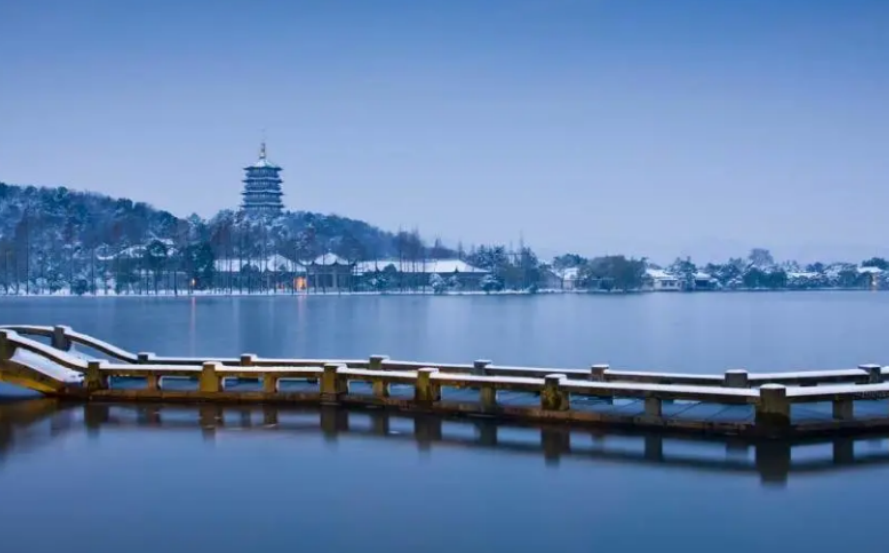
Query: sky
[[644, 127]]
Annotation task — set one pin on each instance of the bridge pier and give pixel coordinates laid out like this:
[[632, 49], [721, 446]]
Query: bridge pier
[[426, 390], [843, 409], [773, 408], [553, 397], [209, 379], [332, 385], [380, 388], [95, 378], [653, 407], [270, 383], [488, 398]]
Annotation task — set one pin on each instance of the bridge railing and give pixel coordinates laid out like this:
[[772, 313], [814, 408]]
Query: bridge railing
[[62, 337], [333, 384], [10, 341], [557, 392]]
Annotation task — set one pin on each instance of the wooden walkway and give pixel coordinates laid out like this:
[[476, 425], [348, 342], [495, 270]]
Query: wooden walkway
[[838, 402]]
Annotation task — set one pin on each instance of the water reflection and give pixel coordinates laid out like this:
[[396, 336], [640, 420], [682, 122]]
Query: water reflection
[[25, 425]]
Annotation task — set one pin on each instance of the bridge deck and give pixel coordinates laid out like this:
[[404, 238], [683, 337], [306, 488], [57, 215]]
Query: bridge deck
[[774, 404]]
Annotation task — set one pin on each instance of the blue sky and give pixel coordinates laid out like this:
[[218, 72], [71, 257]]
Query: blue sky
[[650, 127]]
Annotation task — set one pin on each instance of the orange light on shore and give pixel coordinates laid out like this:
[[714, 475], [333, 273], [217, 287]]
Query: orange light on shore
[[299, 283]]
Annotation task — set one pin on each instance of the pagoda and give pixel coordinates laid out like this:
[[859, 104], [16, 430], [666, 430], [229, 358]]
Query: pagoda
[[262, 187]]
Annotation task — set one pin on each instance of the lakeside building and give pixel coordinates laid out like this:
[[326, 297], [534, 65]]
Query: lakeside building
[[561, 279], [659, 280], [418, 274], [329, 272]]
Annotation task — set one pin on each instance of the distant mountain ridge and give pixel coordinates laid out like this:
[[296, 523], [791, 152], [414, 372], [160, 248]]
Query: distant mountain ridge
[[52, 237], [87, 220]]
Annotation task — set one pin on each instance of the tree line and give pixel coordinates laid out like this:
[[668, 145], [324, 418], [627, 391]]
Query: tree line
[[55, 239]]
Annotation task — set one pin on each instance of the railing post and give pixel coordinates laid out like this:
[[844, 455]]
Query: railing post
[[144, 357], [736, 378], [270, 383], [380, 386], [597, 372], [7, 347], [874, 373], [209, 380], [479, 366], [488, 397], [95, 378], [376, 362], [553, 397], [60, 339], [248, 360], [426, 391], [653, 407], [843, 409], [773, 407], [332, 385]]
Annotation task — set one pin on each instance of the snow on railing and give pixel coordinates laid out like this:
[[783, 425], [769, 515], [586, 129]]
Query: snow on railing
[[770, 394], [11, 340], [101, 346], [62, 337]]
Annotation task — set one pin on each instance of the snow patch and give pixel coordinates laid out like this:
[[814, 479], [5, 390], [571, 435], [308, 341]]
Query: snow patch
[[45, 366]]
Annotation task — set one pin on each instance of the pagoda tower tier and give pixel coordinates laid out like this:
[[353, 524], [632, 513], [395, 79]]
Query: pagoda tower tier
[[262, 187]]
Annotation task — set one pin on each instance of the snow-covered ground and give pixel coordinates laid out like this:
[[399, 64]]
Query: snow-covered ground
[[331, 293]]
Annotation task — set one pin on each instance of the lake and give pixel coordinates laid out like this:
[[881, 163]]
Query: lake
[[138, 479]]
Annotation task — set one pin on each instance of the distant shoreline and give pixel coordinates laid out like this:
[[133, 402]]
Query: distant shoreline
[[223, 294]]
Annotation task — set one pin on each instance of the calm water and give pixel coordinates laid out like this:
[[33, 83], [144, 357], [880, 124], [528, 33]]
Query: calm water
[[131, 479]]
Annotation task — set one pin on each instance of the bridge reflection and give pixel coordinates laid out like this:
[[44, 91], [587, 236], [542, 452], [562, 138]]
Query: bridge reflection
[[28, 424]]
